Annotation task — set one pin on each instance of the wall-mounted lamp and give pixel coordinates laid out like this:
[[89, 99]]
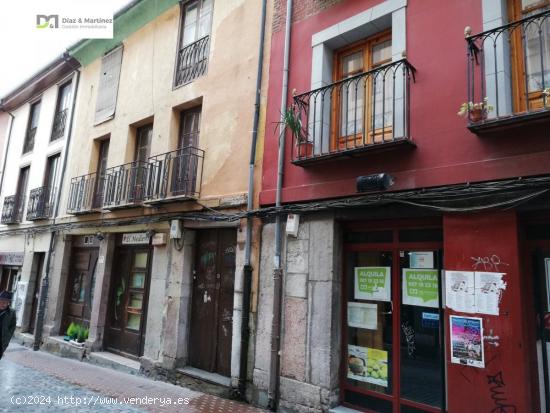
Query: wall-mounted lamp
[[150, 232], [375, 182], [100, 237]]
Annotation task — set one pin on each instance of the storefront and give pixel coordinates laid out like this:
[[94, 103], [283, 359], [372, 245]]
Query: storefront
[[393, 328]]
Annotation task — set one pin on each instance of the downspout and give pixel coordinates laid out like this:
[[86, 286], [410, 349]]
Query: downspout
[[6, 151], [273, 390], [247, 270], [46, 280]]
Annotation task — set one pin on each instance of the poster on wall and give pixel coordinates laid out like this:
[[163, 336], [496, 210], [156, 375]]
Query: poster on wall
[[369, 365], [19, 301], [459, 291], [467, 341], [363, 315], [421, 287], [373, 283], [488, 288], [421, 259]]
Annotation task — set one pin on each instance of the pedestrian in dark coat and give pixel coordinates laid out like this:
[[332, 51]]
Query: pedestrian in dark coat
[[7, 321]]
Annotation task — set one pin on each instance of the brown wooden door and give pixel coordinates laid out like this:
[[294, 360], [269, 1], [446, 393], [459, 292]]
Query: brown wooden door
[[79, 296], [212, 303], [128, 301]]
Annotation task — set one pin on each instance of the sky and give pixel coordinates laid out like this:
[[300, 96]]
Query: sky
[[24, 50]]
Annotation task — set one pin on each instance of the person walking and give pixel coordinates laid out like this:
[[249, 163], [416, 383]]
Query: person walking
[[7, 321]]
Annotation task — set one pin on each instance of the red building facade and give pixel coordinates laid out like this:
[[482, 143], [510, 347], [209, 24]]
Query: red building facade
[[417, 280]]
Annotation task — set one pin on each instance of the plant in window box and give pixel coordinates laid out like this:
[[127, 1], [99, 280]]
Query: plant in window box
[[475, 111], [71, 332], [292, 119]]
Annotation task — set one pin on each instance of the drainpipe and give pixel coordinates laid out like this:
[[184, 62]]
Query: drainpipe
[[273, 389], [247, 270], [46, 280], [7, 149]]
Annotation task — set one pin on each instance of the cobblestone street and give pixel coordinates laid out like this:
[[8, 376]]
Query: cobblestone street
[[37, 381]]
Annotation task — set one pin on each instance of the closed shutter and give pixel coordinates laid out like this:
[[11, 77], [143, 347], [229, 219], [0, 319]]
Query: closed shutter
[[108, 86]]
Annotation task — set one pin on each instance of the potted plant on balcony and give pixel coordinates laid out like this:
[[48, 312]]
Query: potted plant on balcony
[[475, 111], [292, 119]]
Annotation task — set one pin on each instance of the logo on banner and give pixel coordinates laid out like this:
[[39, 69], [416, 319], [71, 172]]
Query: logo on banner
[[43, 21]]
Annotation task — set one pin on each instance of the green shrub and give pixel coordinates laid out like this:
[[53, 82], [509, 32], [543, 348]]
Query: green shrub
[[72, 331]]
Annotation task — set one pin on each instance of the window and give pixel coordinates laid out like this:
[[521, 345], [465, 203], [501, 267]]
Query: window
[[143, 143], [363, 110], [50, 176], [108, 86], [28, 145], [22, 187], [194, 41], [184, 175], [61, 111], [530, 54], [101, 175]]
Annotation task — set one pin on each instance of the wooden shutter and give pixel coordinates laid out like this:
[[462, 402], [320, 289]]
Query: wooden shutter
[[108, 86]]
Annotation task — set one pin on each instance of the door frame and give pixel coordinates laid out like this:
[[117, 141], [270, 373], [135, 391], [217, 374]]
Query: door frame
[[394, 247], [145, 306]]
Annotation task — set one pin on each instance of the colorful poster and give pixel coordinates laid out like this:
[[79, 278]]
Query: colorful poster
[[369, 365], [421, 287], [488, 290], [373, 283], [421, 259], [467, 341], [459, 291], [363, 315]]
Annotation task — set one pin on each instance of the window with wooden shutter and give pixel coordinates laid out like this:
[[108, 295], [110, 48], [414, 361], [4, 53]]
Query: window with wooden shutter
[[108, 86]]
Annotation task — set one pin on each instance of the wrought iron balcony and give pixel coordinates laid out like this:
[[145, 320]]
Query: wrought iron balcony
[[85, 194], [509, 66], [59, 121], [365, 112], [175, 175], [41, 202], [125, 185], [192, 61], [28, 145], [12, 212]]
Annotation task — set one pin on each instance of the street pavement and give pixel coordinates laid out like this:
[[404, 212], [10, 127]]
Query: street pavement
[[35, 381]]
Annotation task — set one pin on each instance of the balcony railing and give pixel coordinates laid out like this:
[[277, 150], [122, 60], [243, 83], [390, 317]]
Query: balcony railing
[[125, 185], [361, 113], [175, 175], [510, 66], [28, 145], [59, 121], [41, 202], [192, 61], [12, 212], [85, 194]]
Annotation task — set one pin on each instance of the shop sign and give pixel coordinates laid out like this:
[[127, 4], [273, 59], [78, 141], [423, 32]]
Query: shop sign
[[11, 258], [135, 238]]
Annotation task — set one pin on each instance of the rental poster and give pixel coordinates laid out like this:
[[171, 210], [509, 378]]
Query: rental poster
[[369, 365], [467, 341], [459, 291], [421, 287], [363, 315], [373, 283]]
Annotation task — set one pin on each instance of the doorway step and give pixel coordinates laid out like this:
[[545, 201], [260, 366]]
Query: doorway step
[[114, 361]]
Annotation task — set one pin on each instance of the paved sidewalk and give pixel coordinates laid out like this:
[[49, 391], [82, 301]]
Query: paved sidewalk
[[48, 382]]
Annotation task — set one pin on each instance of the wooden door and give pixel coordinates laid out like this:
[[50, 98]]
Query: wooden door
[[185, 166], [212, 303], [128, 301], [79, 294]]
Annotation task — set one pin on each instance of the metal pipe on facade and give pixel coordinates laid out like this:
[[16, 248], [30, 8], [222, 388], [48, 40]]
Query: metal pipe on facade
[[46, 280], [247, 270], [273, 390]]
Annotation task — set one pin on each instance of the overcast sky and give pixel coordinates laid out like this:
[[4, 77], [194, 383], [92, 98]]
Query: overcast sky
[[24, 49]]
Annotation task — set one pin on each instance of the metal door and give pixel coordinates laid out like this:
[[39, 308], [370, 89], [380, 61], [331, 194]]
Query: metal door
[[212, 303], [128, 301]]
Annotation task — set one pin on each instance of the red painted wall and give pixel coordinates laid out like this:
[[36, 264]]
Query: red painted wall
[[505, 378], [446, 151]]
